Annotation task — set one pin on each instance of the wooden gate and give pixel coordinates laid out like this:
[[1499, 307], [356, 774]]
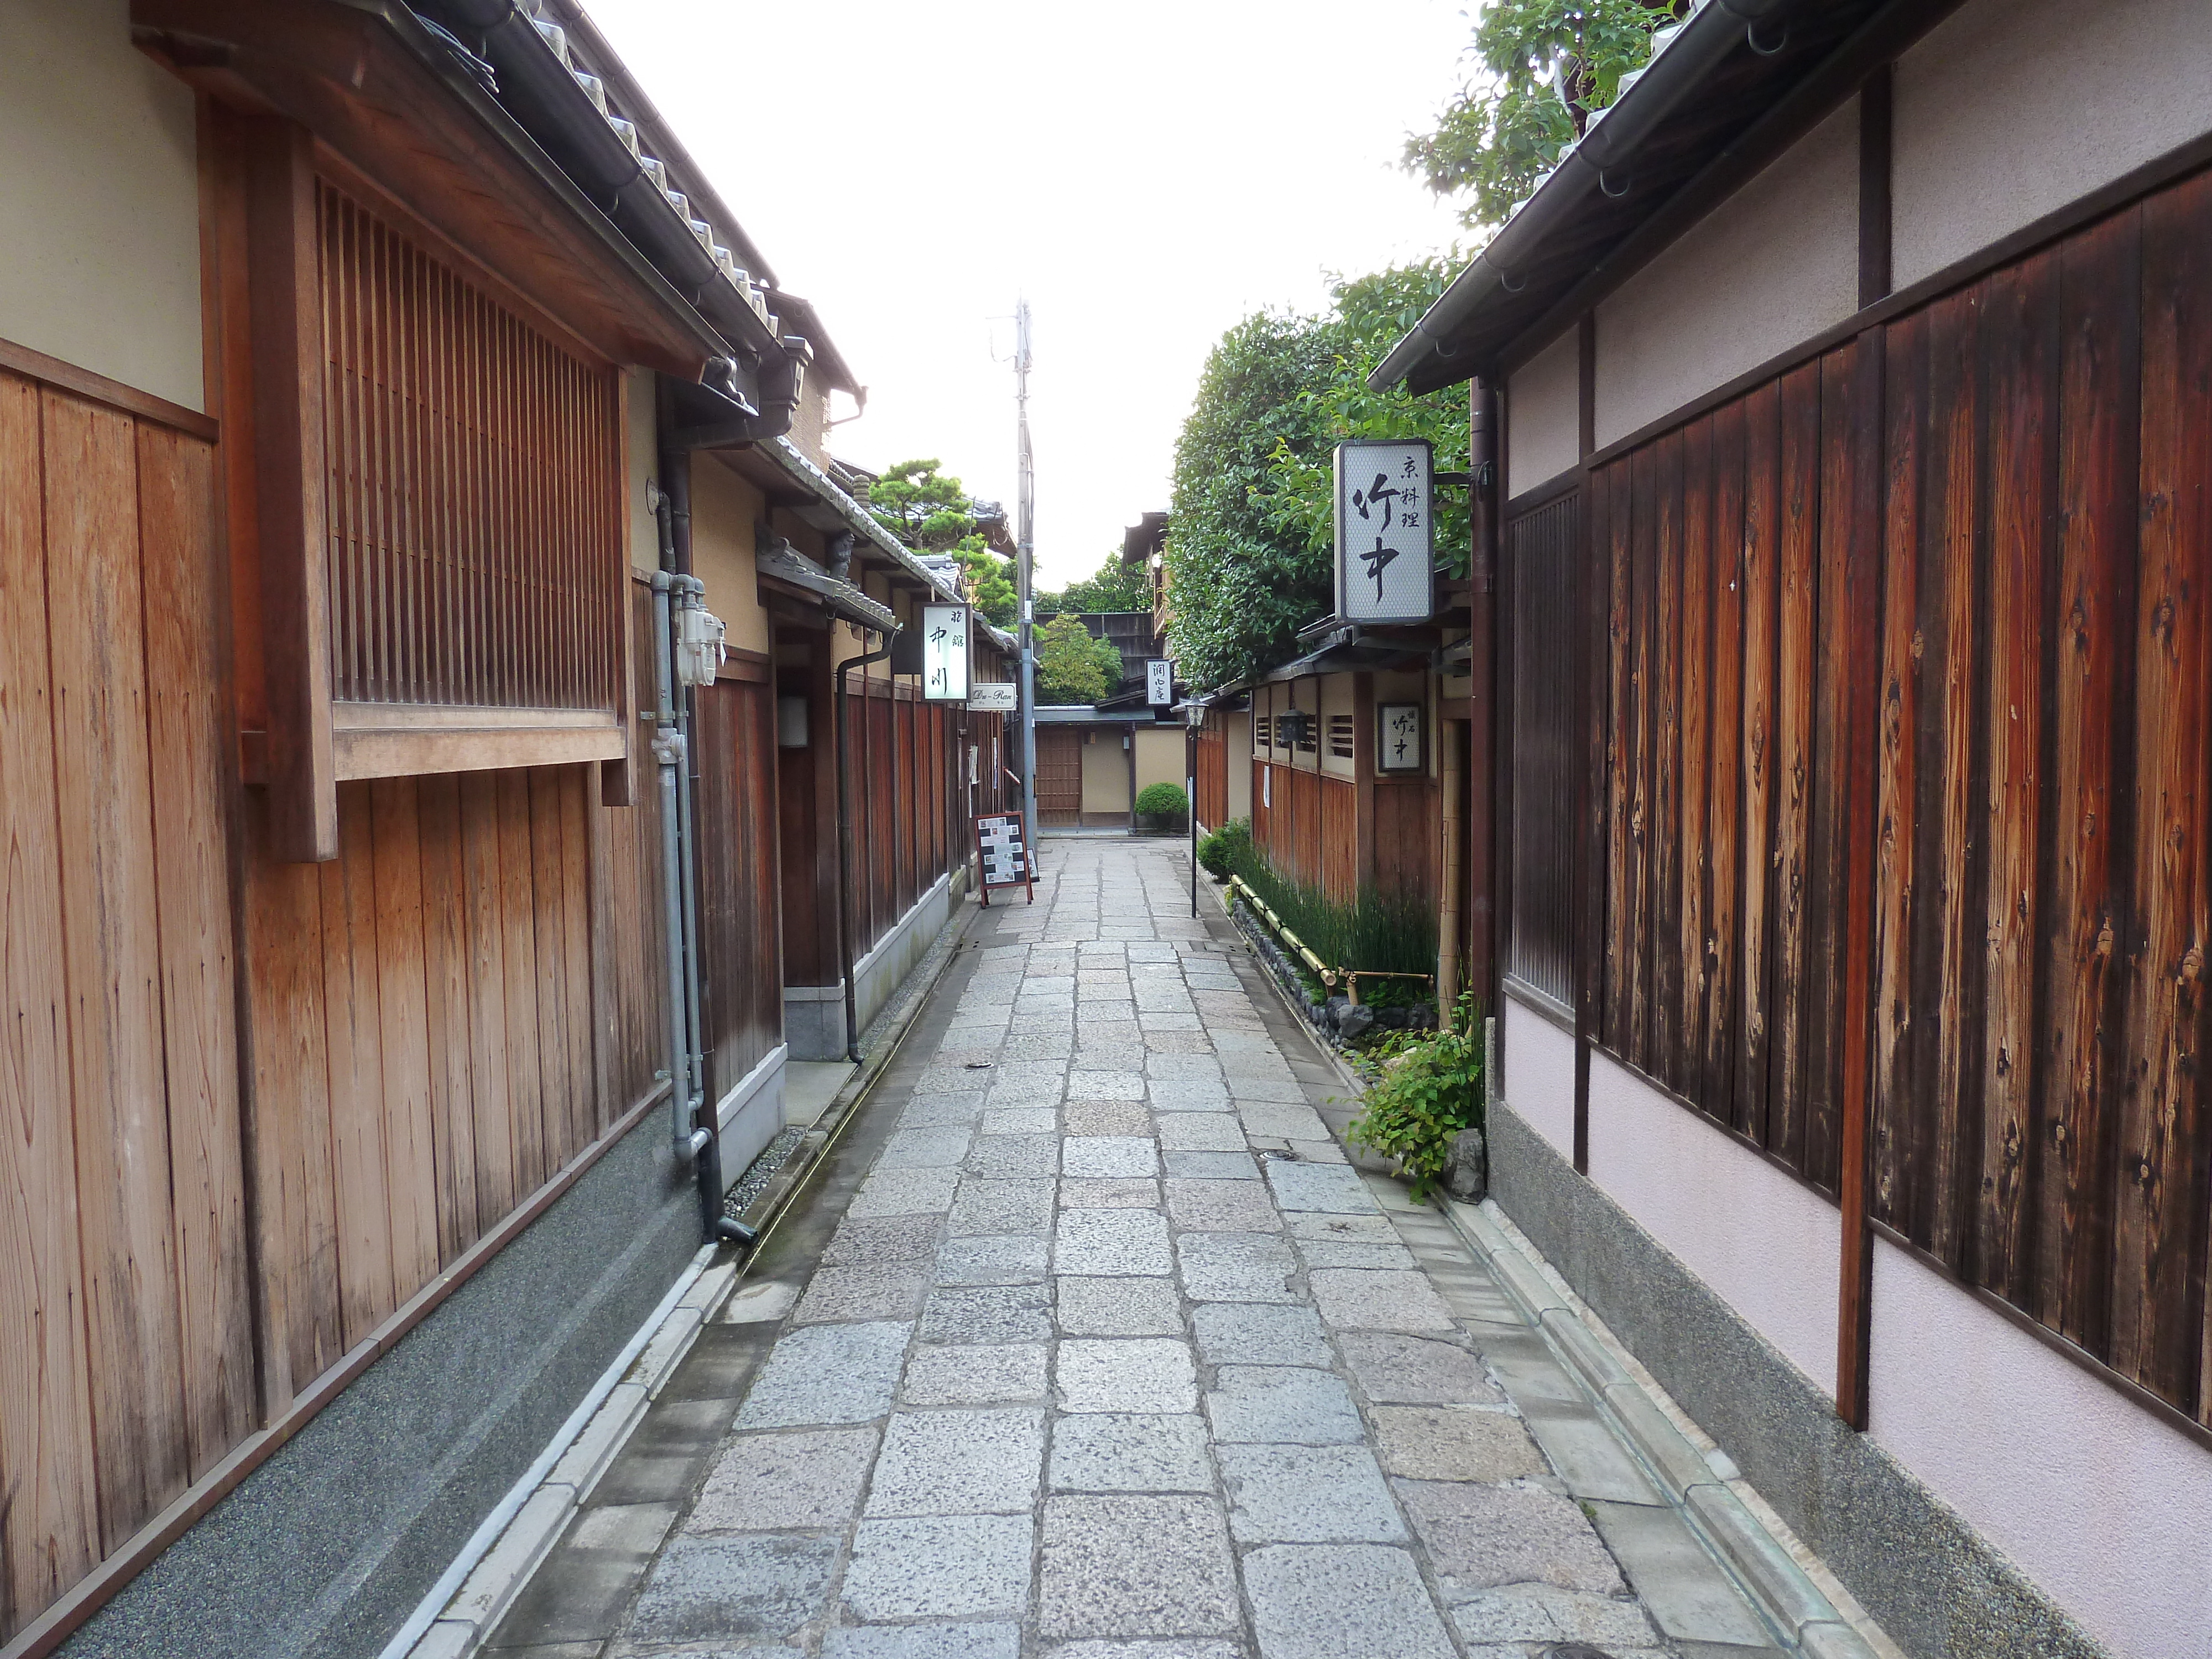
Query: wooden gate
[[1058, 774]]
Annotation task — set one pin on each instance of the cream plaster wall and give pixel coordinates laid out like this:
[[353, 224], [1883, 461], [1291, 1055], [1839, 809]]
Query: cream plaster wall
[[2009, 109], [2105, 1508], [1105, 770], [1540, 1075], [1543, 415], [1160, 756], [1338, 695], [1236, 747], [1772, 265], [1767, 1246], [724, 509], [99, 210]]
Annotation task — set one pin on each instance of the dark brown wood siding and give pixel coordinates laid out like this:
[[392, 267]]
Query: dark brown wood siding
[[1907, 712]]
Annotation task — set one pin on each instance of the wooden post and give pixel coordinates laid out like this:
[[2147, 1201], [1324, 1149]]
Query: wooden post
[[1363, 772], [285, 307], [1482, 737], [1591, 588]]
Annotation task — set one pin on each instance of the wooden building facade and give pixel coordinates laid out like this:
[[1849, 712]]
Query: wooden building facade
[[1854, 705], [335, 410]]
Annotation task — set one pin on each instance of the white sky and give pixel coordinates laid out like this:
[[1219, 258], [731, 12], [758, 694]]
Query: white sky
[[1145, 173]]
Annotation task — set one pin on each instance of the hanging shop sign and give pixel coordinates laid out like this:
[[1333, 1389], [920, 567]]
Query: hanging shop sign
[[945, 630], [1159, 682], [1398, 737], [1385, 535], [994, 696], [1002, 849]]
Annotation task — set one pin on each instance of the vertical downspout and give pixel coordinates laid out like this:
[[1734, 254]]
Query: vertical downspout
[[844, 851], [674, 588], [1482, 710]]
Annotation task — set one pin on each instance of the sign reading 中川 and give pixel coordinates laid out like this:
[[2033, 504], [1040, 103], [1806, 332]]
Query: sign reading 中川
[[1159, 682], [944, 653], [1385, 546], [992, 697]]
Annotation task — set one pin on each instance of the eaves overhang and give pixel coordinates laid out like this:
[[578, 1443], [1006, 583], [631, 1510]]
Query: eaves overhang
[[1728, 91], [784, 563]]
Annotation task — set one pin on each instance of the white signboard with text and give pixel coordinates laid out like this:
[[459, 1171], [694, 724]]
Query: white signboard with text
[[1385, 536], [944, 652], [1159, 682], [994, 696]]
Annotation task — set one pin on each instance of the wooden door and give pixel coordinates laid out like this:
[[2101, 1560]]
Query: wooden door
[[1058, 774]]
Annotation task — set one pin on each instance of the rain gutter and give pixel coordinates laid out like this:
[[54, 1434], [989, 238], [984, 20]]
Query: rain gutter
[[1603, 159]]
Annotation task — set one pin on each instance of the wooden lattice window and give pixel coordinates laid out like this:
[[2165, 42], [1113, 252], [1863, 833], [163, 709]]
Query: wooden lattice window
[[472, 474], [1340, 735]]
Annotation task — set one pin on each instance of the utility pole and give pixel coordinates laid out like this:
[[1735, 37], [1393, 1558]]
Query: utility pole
[[1024, 561]]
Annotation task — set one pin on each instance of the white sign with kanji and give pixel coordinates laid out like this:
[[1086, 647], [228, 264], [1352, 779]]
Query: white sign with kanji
[[1398, 737], [944, 652], [1385, 536], [1159, 682]]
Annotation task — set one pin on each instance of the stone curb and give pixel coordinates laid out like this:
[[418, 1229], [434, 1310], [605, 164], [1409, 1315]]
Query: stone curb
[[768, 1206], [503, 1566], [1779, 1586], [498, 1567]]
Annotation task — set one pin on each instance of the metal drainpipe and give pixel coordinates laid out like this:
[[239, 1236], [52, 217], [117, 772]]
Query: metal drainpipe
[[845, 853], [693, 1138]]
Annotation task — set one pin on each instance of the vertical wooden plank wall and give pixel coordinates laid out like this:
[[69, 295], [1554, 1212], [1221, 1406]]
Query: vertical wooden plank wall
[[1907, 708]]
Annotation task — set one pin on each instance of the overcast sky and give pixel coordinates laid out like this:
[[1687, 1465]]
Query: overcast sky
[[1145, 173]]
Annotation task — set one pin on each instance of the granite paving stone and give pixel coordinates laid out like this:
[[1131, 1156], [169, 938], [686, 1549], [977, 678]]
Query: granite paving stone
[[1453, 1442], [1287, 1404], [810, 1478], [959, 1462], [1111, 1242], [1199, 1205], [1411, 1370], [820, 1374], [1109, 1156], [1333, 1601], [1117, 1307], [1219, 1266], [1135, 1566], [986, 1315], [1351, 1299], [978, 1375], [1137, 1374], [1118, 1193], [1285, 1494], [1110, 1354], [1130, 1451]]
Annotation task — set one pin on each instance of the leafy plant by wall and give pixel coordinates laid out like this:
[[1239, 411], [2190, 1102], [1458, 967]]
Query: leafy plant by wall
[[1426, 1089]]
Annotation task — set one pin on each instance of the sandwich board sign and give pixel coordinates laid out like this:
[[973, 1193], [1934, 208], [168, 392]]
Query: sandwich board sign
[[1002, 851], [1385, 532], [944, 652]]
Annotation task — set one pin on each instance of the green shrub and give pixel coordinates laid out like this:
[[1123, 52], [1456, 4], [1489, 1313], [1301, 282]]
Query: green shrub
[[1427, 1088], [1165, 801], [1219, 851]]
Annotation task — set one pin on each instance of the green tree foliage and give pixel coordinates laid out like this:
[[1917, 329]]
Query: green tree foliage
[[1542, 66], [1113, 586], [1243, 586], [927, 510], [1251, 543], [1372, 313], [1071, 666]]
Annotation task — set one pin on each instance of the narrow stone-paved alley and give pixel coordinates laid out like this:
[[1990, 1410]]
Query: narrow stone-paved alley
[[1111, 1354]]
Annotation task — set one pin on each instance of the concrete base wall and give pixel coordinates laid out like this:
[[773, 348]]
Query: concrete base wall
[[814, 1015], [750, 1114], [1938, 1587], [326, 1548]]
